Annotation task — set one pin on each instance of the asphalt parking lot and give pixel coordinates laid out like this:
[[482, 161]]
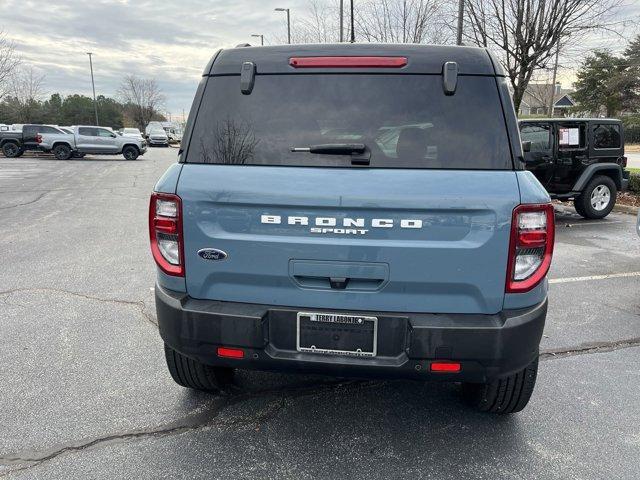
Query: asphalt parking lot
[[85, 392]]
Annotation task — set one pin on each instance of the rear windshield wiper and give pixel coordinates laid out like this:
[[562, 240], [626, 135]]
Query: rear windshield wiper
[[360, 155]]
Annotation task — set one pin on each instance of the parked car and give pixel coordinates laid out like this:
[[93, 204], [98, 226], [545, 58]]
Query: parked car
[[92, 140], [578, 159], [158, 137], [131, 132], [174, 135], [15, 142], [280, 247], [172, 129]]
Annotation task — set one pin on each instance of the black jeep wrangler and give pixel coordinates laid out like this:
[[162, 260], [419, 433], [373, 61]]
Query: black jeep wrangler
[[579, 159]]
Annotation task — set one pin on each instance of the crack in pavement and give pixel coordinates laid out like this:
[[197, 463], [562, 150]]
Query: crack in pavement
[[25, 203], [140, 305], [199, 421], [596, 347]]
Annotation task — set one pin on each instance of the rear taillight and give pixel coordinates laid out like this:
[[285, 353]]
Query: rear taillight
[[38, 138], [165, 232], [530, 247]]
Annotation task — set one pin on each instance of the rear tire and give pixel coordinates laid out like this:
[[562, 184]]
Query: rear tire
[[578, 207], [190, 373], [62, 152], [130, 153], [11, 150], [598, 198], [505, 395]]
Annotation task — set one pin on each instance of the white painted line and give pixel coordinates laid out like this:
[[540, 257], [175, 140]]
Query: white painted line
[[594, 277], [580, 223]]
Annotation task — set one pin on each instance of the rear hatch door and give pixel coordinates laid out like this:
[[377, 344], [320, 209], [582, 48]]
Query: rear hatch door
[[414, 241], [423, 228]]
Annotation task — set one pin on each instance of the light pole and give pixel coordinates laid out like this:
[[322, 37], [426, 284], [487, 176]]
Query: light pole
[[288, 22], [460, 21], [93, 86], [261, 37], [341, 21], [353, 32]]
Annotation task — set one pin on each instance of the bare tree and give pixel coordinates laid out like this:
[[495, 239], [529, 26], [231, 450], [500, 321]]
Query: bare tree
[[317, 23], [25, 90], [9, 62], [144, 96], [383, 21], [320, 24], [527, 32], [403, 21], [233, 143]]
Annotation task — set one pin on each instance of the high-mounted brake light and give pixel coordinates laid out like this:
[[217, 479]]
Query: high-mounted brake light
[[530, 246], [348, 62], [165, 233]]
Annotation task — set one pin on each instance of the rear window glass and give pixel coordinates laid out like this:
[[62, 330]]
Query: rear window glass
[[539, 135], [571, 137], [45, 129], [606, 136], [88, 132], [404, 120]]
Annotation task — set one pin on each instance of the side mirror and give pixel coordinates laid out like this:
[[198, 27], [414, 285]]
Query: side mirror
[[526, 146]]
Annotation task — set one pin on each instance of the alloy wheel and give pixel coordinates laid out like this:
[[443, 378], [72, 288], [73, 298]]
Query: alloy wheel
[[600, 197]]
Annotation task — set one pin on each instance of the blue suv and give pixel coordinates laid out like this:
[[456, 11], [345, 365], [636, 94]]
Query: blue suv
[[354, 210]]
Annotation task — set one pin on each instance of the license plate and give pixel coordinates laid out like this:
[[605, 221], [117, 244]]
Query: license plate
[[334, 334]]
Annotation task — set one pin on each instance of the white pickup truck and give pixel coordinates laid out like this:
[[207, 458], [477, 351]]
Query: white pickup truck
[[92, 140]]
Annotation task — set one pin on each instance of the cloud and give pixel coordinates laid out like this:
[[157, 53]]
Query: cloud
[[170, 41]]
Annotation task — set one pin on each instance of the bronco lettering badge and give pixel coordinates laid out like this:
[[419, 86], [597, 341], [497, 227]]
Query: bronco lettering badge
[[212, 254], [348, 226]]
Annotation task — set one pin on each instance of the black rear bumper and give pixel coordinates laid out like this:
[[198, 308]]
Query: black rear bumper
[[487, 346]]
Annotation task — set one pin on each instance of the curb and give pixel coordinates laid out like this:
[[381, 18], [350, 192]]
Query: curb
[[626, 209]]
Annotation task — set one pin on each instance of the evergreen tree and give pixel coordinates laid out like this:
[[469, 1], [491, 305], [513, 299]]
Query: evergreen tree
[[606, 83]]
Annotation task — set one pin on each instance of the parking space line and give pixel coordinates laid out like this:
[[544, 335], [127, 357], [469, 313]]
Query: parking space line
[[569, 225], [594, 277]]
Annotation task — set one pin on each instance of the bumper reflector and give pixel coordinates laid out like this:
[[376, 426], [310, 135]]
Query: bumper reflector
[[230, 352], [446, 367]]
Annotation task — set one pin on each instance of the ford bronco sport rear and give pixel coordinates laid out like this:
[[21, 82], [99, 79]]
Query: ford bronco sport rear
[[354, 210]]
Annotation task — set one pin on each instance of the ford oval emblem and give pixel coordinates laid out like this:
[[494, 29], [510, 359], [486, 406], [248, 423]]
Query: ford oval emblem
[[212, 254]]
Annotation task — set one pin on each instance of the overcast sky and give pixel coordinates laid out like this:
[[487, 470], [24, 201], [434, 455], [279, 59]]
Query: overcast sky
[[168, 40]]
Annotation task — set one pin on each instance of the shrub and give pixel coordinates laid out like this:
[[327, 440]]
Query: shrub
[[634, 182], [632, 133]]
